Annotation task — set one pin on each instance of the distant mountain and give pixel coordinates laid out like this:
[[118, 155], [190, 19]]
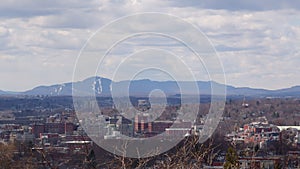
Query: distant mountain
[[54, 90], [2, 92], [97, 85], [105, 87], [93, 85], [246, 91], [288, 92]]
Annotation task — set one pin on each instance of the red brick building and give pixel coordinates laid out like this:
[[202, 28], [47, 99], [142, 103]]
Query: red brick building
[[60, 128]]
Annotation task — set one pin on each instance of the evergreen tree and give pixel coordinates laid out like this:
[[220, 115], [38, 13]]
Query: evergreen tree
[[231, 159], [90, 161]]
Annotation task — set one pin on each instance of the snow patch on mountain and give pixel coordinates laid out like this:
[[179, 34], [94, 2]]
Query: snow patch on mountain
[[59, 89], [97, 86]]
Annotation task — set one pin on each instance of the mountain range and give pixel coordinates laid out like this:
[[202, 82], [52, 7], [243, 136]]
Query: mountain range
[[103, 87]]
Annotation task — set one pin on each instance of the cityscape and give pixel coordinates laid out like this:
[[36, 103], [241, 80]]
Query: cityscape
[[38, 133]]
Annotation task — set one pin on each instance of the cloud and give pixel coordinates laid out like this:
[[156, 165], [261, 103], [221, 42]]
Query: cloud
[[257, 41], [236, 5], [32, 8], [3, 32], [254, 48]]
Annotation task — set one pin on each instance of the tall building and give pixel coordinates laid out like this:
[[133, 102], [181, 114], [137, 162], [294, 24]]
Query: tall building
[[141, 124]]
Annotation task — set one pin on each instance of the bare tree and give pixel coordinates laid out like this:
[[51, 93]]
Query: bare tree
[[6, 155]]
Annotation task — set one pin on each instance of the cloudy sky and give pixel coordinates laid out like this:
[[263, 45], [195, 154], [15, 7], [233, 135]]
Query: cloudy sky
[[257, 41]]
